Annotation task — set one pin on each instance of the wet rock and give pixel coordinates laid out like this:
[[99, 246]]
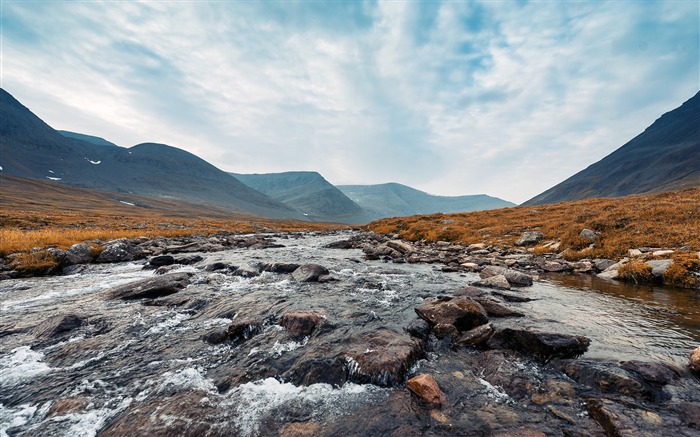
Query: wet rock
[[462, 312], [689, 414], [419, 328], [188, 260], [152, 287], [498, 281], [79, 254], [320, 370], [494, 308], [602, 264], [427, 390], [553, 266], [519, 432], [529, 238], [382, 357], [300, 429], [554, 391], [242, 330], [475, 336], [401, 246], [279, 267], [445, 330], [165, 269], [608, 378], [511, 297], [694, 361], [652, 373], [582, 267], [246, 271], [309, 272], [616, 420], [323, 279], [543, 346], [469, 291], [217, 336], [300, 323], [65, 406], [161, 260], [58, 326], [216, 266], [342, 244], [74, 269], [118, 251], [513, 277]]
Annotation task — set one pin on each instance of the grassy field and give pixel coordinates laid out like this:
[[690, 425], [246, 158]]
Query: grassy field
[[670, 219]]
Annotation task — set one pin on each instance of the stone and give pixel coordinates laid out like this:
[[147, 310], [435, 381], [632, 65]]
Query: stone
[[309, 272], [662, 252], [444, 330], [694, 361], [529, 238], [476, 246], [582, 266], [614, 418], [79, 254], [118, 251], [319, 370], [659, 267], [187, 260], [161, 260], [652, 373], [609, 274], [511, 297], [246, 271], [65, 406], [300, 429], [425, 388], [462, 312], [553, 266], [58, 326], [400, 246], [634, 253], [475, 336], [418, 328], [152, 287], [513, 277], [470, 266], [498, 281], [543, 346], [216, 266], [602, 264], [494, 308], [519, 432], [609, 378], [245, 329], [300, 323], [382, 357], [589, 235], [279, 267]]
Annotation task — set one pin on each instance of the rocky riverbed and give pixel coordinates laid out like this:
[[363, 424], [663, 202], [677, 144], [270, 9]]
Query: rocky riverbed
[[338, 333]]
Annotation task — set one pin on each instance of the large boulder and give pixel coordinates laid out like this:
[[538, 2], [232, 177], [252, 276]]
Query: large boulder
[[309, 272], [117, 251], [513, 277], [79, 253], [462, 312], [543, 346], [152, 287], [529, 238], [498, 281]]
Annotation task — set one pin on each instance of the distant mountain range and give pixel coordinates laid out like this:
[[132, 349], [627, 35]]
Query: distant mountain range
[[394, 200], [30, 148], [666, 156]]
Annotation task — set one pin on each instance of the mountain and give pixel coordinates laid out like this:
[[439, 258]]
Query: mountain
[[87, 138], [308, 192], [394, 200], [666, 156], [31, 148]]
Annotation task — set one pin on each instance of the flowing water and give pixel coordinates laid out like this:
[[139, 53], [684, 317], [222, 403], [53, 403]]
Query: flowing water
[[137, 366]]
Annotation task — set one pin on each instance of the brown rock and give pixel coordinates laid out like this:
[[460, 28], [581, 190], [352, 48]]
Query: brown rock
[[541, 345], [426, 389], [498, 281], [519, 432], [300, 323], [462, 312], [300, 429], [67, 406], [694, 363], [152, 287], [309, 272], [475, 336], [444, 330]]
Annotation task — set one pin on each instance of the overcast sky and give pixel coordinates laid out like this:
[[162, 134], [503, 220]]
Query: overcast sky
[[506, 98]]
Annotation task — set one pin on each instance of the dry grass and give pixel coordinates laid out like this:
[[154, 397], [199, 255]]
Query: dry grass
[[636, 271], [670, 219], [681, 272]]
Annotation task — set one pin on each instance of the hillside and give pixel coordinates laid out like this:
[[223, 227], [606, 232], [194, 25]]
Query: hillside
[[308, 192], [98, 141], [395, 200], [666, 156], [32, 149]]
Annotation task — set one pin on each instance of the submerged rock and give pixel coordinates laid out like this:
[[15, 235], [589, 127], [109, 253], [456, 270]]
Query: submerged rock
[[427, 390], [543, 346], [152, 287], [309, 272]]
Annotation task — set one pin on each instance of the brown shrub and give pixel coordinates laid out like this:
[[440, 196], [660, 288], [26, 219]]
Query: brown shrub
[[636, 271], [34, 263], [683, 272]]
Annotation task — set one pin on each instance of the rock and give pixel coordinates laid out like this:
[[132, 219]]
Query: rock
[[519, 432], [513, 277], [659, 267], [553, 266], [419, 328], [495, 309], [213, 267], [279, 267], [217, 336], [426, 389], [382, 357], [152, 287], [511, 297], [652, 373], [476, 246], [117, 251], [462, 312], [161, 260], [242, 330], [79, 254], [602, 264], [309, 272], [401, 246], [663, 252], [300, 323], [331, 371], [475, 336], [246, 271], [694, 362], [326, 278], [498, 281], [583, 267], [609, 274], [300, 429], [187, 260], [529, 238], [615, 419], [543, 346], [470, 266], [589, 235], [444, 330], [634, 253], [58, 326], [609, 378], [65, 406], [342, 244]]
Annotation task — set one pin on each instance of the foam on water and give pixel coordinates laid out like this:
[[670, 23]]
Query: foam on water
[[254, 401], [278, 348], [493, 392], [172, 319], [88, 423], [189, 378], [12, 417], [23, 365]]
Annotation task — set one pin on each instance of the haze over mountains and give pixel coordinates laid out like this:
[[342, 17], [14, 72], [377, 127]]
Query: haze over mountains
[[666, 156], [32, 149]]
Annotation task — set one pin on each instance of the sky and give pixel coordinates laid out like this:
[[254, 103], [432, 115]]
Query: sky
[[506, 98]]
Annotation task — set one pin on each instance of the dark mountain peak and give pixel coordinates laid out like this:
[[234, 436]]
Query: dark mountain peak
[[666, 156], [98, 141], [20, 125]]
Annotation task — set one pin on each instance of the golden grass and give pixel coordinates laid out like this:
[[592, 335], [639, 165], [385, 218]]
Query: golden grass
[[670, 219], [636, 271]]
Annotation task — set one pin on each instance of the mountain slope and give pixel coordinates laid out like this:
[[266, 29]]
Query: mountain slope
[[393, 200], [308, 192], [98, 141], [666, 156], [31, 148]]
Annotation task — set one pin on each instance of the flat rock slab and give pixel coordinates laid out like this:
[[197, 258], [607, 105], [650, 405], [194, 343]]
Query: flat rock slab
[[159, 286], [57, 326], [543, 346]]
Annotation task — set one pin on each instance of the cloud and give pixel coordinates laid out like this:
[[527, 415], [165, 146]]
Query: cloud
[[450, 97]]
